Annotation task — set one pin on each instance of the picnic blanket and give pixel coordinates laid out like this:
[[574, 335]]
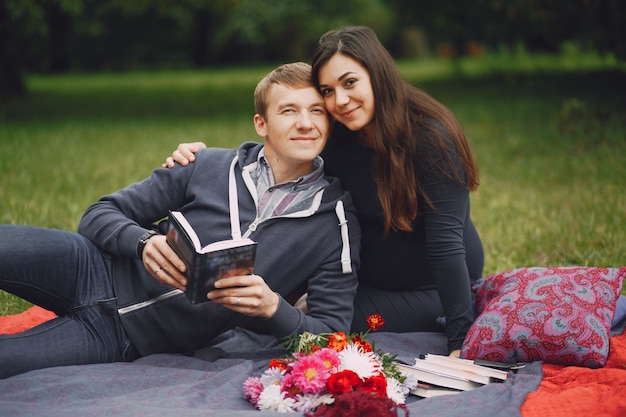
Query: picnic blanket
[[209, 382]]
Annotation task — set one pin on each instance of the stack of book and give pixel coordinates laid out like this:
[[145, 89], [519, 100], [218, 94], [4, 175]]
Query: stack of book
[[443, 375]]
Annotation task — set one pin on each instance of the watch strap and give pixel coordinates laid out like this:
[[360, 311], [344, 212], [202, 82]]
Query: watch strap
[[143, 240]]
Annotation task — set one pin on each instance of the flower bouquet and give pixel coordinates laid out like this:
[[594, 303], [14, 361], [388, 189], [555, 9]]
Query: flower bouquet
[[329, 369]]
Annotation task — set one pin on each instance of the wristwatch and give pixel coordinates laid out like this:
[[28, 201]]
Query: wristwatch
[[143, 240]]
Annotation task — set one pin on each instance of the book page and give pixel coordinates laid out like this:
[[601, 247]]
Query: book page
[[215, 246], [226, 244], [464, 365], [190, 232]]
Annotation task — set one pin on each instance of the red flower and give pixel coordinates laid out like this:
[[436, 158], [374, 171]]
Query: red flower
[[344, 381], [361, 404], [278, 363], [337, 341], [375, 322], [314, 348], [376, 384], [362, 343]]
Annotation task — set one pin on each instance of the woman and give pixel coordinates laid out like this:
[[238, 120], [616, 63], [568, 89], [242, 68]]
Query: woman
[[409, 167]]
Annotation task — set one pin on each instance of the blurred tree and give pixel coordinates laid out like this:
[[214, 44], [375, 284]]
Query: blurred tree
[[122, 35], [27, 27], [62, 35], [539, 25], [254, 30]]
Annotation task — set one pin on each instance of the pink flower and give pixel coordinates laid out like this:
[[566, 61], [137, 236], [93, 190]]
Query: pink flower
[[252, 389], [330, 358], [310, 374], [288, 385]]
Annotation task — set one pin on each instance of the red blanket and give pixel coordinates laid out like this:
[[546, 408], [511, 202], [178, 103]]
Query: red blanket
[[22, 321], [567, 391], [572, 391]]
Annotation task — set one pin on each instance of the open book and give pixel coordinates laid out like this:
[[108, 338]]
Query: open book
[[452, 373], [210, 263]]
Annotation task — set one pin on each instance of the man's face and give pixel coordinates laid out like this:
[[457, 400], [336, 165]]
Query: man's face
[[295, 130]]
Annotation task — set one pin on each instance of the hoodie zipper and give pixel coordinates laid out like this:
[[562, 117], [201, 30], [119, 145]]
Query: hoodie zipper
[[143, 304]]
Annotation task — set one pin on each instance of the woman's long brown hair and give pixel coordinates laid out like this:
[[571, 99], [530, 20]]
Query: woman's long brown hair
[[405, 119]]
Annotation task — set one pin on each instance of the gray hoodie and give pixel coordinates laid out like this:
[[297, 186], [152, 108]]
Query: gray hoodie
[[301, 252]]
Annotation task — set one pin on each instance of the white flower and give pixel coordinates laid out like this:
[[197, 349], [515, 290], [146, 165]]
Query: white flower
[[309, 402], [409, 384], [272, 399], [364, 364], [271, 376], [396, 391]]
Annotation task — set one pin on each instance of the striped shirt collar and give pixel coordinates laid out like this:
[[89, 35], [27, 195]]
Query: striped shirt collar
[[287, 197]]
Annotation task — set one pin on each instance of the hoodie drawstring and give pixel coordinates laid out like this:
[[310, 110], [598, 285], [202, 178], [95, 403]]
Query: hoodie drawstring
[[233, 202], [346, 263]]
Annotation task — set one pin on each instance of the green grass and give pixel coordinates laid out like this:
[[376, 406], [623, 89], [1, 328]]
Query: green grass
[[549, 134]]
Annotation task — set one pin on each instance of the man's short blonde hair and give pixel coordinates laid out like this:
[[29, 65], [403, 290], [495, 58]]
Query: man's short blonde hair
[[293, 75]]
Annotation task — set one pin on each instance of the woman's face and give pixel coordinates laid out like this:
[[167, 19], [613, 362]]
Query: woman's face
[[346, 87]]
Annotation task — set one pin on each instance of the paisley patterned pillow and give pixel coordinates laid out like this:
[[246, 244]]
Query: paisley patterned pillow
[[555, 315]]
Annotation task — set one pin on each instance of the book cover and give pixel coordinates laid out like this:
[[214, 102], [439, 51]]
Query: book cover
[[428, 390], [208, 264], [438, 378]]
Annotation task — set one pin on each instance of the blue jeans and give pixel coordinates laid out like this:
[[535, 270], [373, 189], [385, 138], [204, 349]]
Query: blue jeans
[[65, 273]]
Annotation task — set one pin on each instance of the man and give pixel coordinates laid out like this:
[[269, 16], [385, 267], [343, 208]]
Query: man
[[117, 285]]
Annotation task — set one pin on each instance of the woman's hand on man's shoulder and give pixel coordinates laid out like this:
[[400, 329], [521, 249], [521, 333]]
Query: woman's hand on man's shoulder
[[184, 154]]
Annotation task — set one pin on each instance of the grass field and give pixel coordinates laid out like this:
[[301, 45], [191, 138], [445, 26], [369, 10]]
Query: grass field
[[549, 134]]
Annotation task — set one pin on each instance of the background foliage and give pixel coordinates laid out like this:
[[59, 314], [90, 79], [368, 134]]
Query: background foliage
[[54, 36]]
